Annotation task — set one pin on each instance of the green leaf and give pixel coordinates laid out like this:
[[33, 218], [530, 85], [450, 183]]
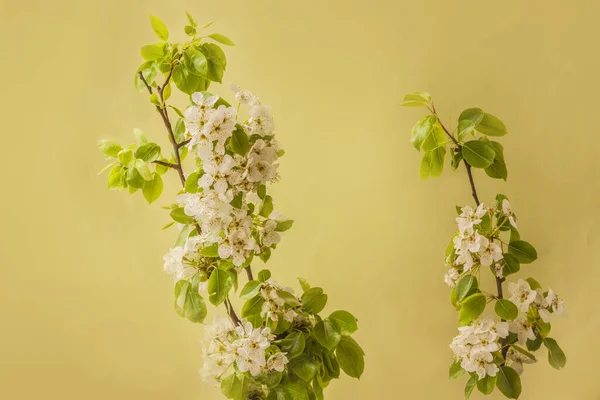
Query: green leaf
[[188, 302], [508, 382], [506, 309], [498, 168], [153, 189], [466, 287], [346, 322], [432, 163], [455, 371], [266, 207], [184, 234], [327, 333], [471, 383], [533, 283], [296, 391], [239, 142], [434, 138], [487, 384], [523, 251], [250, 290], [187, 81], [195, 62], [159, 28], [221, 39], [303, 284], [491, 126], [511, 265], [417, 99], [148, 152], [115, 177], [471, 308], [556, 357], [217, 62], [210, 251], [535, 344], [235, 386], [261, 191], [467, 121], [109, 147], [180, 216], [264, 275], [478, 154], [351, 357], [288, 297], [252, 306], [191, 19], [126, 158], [191, 183], [284, 225], [524, 352], [153, 52], [314, 300], [305, 368], [421, 130], [219, 285], [293, 345], [135, 179]]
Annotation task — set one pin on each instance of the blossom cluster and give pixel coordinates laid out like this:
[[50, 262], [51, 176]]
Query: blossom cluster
[[476, 343], [225, 176], [242, 347]]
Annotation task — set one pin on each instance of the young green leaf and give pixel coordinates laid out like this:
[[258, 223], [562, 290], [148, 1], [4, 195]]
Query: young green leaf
[[235, 386], [179, 215], [417, 99], [109, 147], [524, 252], [283, 226], [221, 39], [421, 130], [253, 306], [148, 152], [188, 302], [467, 121], [264, 275], [491, 126], [478, 154], [153, 189], [432, 163], [159, 28], [217, 62], [266, 207], [152, 52]]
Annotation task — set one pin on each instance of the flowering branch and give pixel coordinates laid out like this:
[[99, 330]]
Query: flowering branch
[[278, 346], [491, 351]]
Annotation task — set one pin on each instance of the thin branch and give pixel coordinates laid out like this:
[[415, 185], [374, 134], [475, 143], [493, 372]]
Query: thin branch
[[165, 164], [249, 273], [499, 281]]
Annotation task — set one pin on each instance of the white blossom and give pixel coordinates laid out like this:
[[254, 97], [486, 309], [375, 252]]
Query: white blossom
[[261, 122], [515, 360], [522, 294], [556, 305], [492, 253], [179, 261], [451, 276], [244, 96], [277, 362], [523, 329], [470, 217], [507, 211]]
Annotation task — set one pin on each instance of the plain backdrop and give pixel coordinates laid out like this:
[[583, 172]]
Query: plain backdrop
[[86, 311]]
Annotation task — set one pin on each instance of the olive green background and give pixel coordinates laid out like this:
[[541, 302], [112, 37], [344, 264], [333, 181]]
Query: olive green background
[[86, 311]]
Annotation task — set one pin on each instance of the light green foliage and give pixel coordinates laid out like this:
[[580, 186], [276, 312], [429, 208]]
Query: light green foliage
[[498, 247], [188, 302]]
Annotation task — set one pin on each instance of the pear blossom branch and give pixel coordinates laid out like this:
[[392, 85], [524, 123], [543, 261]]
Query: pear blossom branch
[[499, 281], [162, 110]]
